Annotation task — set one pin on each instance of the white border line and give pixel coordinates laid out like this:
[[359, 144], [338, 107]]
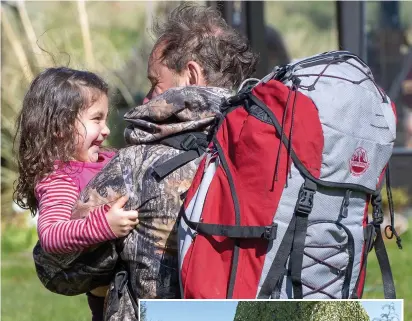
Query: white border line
[[278, 300]]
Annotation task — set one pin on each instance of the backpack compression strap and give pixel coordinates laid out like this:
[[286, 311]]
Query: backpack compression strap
[[294, 239], [194, 145], [380, 249], [232, 231], [383, 260]]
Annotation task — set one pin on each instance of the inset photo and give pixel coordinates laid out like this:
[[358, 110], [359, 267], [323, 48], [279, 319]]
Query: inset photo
[[273, 310]]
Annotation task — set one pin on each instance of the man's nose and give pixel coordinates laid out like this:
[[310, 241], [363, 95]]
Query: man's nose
[[150, 95]]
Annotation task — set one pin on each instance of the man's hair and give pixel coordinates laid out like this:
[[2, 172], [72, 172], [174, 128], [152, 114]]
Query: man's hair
[[199, 33]]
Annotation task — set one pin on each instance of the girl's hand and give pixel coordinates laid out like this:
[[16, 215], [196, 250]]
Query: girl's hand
[[120, 221]]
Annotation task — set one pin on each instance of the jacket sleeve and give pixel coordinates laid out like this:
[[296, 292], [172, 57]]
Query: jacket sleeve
[[76, 273]]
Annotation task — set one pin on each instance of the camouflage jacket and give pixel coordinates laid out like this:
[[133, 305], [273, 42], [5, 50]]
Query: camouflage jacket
[[148, 255]]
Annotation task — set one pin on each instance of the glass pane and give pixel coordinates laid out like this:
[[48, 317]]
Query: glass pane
[[389, 30], [305, 28]]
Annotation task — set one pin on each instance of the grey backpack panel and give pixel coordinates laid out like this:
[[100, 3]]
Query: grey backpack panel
[[359, 128]]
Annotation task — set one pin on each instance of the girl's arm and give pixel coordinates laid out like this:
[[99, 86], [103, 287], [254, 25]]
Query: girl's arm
[[57, 195]]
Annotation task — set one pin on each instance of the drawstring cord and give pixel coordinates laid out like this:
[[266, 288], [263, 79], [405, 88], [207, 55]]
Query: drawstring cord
[[391, 227], [293, 90], [275, 175], [296, 83]]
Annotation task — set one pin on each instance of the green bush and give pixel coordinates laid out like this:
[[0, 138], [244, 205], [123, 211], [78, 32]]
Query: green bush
[[16, 239]]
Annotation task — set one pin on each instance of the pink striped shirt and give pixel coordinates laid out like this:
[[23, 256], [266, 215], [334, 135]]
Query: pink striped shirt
[[57, 194]]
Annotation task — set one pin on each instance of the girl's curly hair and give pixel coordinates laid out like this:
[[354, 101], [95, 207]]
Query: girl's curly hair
[[46, 125]]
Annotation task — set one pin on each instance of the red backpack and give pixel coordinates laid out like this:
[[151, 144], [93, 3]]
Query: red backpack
[[279, 205]]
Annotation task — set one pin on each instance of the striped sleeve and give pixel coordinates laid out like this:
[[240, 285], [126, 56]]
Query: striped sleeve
[[57, 196]]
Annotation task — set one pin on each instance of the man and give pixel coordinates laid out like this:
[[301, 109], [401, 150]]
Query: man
[[195, 47]]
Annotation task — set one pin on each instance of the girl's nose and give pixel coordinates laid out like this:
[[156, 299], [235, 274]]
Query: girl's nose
[[105, 131]]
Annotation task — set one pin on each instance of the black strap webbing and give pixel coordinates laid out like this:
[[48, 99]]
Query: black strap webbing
[[302, 211], [194, 144], [278, 266], [294, 237], [232, 231], [383, 260], [296, 256], [380, 250], [186, 141], [174, 163]]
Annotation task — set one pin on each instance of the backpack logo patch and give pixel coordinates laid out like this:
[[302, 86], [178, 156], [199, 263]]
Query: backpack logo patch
[[359, 162]]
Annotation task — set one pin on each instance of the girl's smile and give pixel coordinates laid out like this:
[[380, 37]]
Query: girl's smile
[[92, 129]]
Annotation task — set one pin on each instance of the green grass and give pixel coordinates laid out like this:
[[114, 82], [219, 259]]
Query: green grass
[[401, 262], [25, 299]]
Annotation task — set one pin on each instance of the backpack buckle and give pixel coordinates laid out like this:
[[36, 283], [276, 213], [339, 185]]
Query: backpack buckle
[[270, 232], [377, 215], [305, 202], [234, 100], [189, 142]]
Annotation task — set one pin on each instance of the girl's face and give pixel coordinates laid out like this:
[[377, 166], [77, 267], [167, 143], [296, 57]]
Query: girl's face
[[92, 129]]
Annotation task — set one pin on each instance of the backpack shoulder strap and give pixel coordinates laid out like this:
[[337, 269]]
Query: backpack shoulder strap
[[383, 260], [193, 145], [380, 249]]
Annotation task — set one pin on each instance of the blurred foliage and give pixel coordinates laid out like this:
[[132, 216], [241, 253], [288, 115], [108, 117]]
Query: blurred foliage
[[400, 198], [113, 40], [18, 239], [300, 310], [307, 27]]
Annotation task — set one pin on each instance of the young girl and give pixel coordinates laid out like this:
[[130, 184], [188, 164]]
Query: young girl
[[61, 128]]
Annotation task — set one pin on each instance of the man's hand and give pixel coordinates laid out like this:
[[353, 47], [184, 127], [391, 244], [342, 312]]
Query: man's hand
[[120, 221]]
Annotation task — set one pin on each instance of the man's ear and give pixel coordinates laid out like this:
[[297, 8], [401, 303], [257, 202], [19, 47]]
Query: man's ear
[[195, 74]]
